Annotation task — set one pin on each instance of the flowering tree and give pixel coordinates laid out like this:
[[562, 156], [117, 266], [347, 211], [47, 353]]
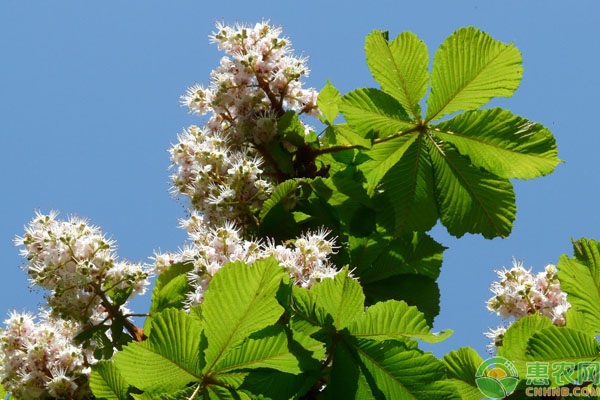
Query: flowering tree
[[307, 272]]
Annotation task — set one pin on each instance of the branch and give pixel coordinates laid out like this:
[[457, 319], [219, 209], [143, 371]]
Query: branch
[[335, 149], [113, 312]]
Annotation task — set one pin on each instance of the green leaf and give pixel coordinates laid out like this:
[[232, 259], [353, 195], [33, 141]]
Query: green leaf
[[416, 253], [342, 298], [290, 128], [170, 291], [400, 67], [399, 370], [371, 111], [342, 134], [416, 290], [462, 366], [169, 359], [267, 349], [107, 383], [469, 69], [394, 319], [328, 100], [555, 344], [283, 191], [348, 380], [580, 278], [308, 317], [383, 157], [470, 199], [502, 143], [268, 384], [182, 394], [514, 343], [408, 186], [240, 300]]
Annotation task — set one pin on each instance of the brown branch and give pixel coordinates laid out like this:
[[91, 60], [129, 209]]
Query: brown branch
[[276, 104], [114, 312], [278, 174]]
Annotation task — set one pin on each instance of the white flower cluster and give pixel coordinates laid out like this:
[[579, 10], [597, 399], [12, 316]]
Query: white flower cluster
[[260, 63], [222, 182], [306, 259], [72, 260], [218, 166], [39, 359], [520, 293]]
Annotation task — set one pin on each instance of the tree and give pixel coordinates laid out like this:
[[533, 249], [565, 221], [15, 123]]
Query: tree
[[308, 272]]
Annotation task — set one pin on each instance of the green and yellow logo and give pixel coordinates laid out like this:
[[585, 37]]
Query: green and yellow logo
[[496, 377]]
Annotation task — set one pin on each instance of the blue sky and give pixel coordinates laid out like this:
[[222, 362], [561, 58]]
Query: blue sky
[[89, 105]]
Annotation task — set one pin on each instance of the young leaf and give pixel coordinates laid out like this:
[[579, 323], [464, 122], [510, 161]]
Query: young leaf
[[469, 69], [169, 359], [392, 320], [240, 300], [328, 100], [502, 143], [462, 367], [372, 112], [400, 67], [107, 383], [471, 200]]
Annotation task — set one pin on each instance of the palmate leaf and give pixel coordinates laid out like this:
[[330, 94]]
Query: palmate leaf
[[169, 359], [462, 366], [400, 67], [469, 69], [240, 300], [451, 170], [580, 278], [502, 143], [369, 111], [471, 200]]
